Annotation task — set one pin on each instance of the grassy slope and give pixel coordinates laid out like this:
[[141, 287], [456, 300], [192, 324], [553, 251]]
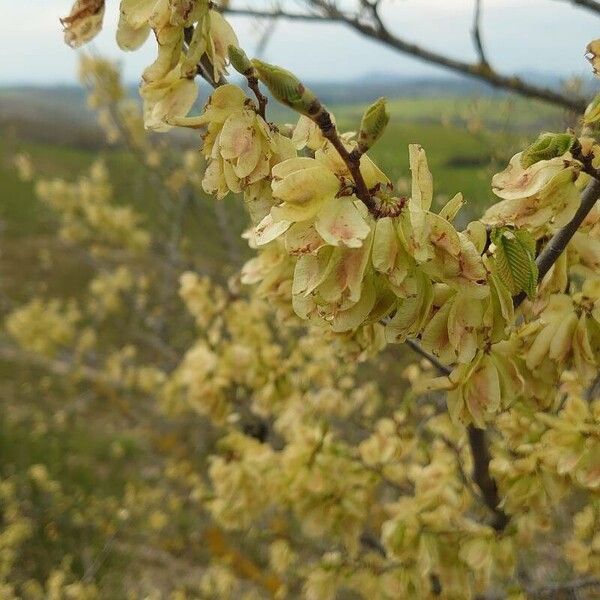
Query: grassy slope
[[22, 214], [412, 122]]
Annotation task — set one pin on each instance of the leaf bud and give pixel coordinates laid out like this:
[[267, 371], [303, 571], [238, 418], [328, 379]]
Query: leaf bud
[[373, 124], [287, 88], [239, 61]]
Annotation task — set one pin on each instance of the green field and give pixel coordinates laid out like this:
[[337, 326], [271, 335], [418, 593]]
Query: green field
[[460, 158]]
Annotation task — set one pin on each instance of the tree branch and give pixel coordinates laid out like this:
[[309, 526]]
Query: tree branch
[[378, 31], [438, 364], [481, 475], [61, 368], [477, 437], [260, 97], [592, 5], [512, 83], [476, 33], [593, 391], [274, 14], [479, 451], [352, 159], [204, 67], [555, 247]]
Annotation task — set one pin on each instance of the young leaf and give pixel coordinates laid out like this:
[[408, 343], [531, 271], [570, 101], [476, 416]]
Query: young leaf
[[546, 147], [239, 61], [287, 88], [373, 124], [515, 259]]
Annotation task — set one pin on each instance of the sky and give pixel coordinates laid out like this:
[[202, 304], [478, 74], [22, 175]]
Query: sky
[[546, 36]]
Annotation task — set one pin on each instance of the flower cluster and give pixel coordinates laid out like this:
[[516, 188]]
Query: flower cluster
[[89, 213], [356, 264], [239, 146], [190, 36]]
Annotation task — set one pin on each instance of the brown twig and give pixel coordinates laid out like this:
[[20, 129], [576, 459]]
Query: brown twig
[[204, 67], [586, 160], [481, 475], [592, 5], [477, 437], [593, 391], [260, 97], [555, 247], [378, 31], [274, 14], [352, 159], [479, 451], [467, 482], [474, 70], [205, 71], [371, 542], [438, 364], [476, 33]]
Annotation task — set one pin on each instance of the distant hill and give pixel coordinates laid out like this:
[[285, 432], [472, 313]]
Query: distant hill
[[55, 114], [366, 88], [60, 112], [71, 99], [44, 102]]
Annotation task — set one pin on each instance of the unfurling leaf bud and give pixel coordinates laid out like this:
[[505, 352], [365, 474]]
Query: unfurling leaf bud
[[287, 88], [515, 259], [373, 124], [239, 61], [546, 147]]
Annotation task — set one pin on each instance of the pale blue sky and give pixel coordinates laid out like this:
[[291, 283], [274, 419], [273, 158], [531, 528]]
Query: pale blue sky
[[542, 35]]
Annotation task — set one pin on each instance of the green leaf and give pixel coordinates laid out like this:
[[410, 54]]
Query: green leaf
[[546, 147], [515, 259]]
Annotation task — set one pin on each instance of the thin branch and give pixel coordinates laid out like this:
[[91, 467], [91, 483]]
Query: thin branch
[[512, 83], [467, 481], [352, 159], [593, 391], [477, 437], [371, 542], [481, 475], [204, 68], [264, 37], [274, 14], [260, 97], [378, 31], [479, 451], [438, 364], [476, 33], [61, 368], [592, 5], [555, 247]]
